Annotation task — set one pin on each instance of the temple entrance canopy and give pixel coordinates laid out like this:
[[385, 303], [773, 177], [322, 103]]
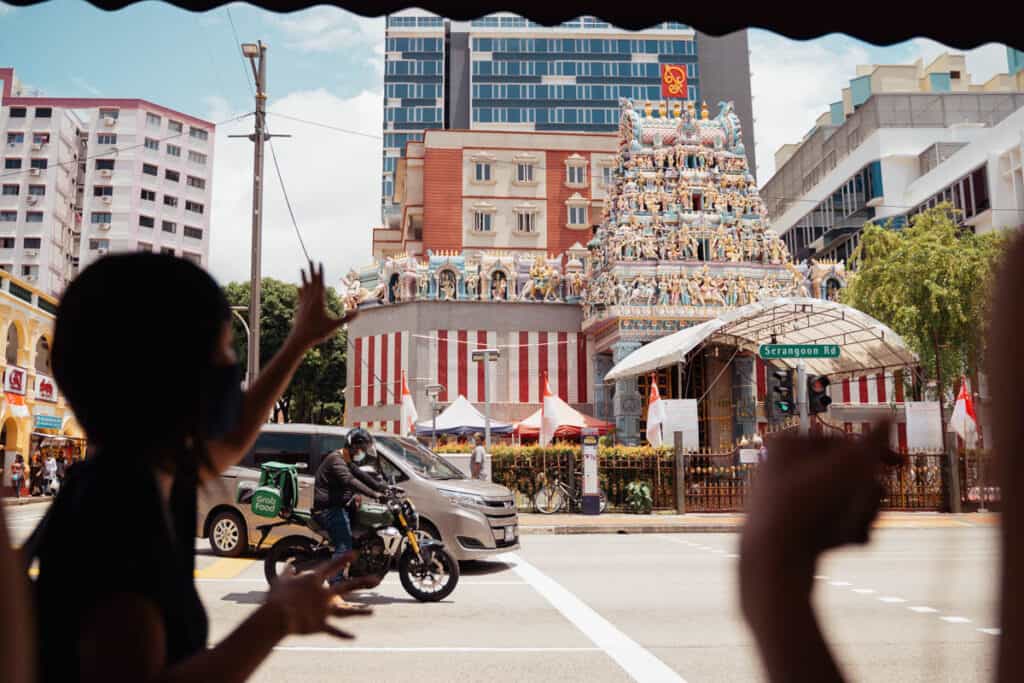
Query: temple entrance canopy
[[865, 344]]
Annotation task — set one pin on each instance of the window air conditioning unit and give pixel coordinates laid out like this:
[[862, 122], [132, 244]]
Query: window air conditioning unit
[[107, 199], [36, 147], [109, 120], [105, 172], [31, 253], [31, 278], [33, 171], [104, 226]]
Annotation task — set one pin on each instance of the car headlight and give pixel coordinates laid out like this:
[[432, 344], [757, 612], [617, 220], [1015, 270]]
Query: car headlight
[[460, 498]]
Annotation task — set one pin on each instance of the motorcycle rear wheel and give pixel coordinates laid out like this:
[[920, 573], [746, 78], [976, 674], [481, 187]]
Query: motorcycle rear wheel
[[296, 551], [432, 583]]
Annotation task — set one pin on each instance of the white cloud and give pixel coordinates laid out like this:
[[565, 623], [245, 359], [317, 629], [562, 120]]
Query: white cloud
[[982, 62], [329, 29], [332, 178], [793, 83], [86, 86]]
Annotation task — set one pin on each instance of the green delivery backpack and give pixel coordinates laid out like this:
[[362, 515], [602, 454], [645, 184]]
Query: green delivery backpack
[[277, 490]]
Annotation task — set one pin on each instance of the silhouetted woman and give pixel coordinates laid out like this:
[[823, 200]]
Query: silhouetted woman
[[143, 352]]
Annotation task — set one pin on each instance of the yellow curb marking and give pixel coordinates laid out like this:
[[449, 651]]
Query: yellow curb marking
[[224, 568]]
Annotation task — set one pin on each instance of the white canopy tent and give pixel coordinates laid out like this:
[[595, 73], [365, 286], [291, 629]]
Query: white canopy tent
[[865, 344], [461, 418]]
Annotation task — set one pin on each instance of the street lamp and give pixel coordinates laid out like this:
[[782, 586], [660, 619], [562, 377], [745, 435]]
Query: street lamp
[[486, 356], [433, 391], [237, 312]]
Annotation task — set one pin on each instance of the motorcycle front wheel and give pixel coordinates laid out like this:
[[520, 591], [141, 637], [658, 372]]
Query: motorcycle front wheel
[[291, 551], [431, 579]]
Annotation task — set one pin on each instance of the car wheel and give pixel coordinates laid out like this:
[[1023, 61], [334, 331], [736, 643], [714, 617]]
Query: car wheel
[[228, 535]]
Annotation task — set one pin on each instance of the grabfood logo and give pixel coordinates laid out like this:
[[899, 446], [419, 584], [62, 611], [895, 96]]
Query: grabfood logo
[[265, 503]]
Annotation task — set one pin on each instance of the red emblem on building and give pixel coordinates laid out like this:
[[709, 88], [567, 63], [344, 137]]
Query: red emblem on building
[[673, 81]]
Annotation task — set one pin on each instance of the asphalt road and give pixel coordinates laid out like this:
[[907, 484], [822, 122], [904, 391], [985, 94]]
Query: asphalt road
[[914, 605]]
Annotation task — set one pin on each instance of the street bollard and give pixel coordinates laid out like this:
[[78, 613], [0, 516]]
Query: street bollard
[[680, 473]]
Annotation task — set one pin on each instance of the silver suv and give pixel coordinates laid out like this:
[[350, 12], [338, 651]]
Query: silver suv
[[475, 519]]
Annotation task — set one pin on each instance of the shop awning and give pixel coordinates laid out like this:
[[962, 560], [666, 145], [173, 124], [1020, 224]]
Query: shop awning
[[864, 343]]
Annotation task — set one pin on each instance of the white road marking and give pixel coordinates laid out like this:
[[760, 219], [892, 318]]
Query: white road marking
[[427, 650], [638, 663], [990, 631], [864, 591], [956, 620], [923, 610], [891, 599], [839, 583]]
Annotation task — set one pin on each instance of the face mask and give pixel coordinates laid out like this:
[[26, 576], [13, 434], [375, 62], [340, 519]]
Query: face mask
[[223, 400], [359, 456]]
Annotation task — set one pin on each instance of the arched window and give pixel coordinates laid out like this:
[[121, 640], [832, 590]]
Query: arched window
[[43, 356], [12, 345]]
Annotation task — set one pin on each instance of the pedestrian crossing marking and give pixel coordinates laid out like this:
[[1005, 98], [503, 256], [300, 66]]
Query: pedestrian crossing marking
[[224, 568]]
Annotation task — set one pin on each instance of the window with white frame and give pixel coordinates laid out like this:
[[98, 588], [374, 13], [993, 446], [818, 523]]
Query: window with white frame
[[576, 171], [482, 171], [482, 221], [152, 144], [526, 221], [174, 150], [606, 176], [197, 158], [524, 172], [577, 211], [152, 120]]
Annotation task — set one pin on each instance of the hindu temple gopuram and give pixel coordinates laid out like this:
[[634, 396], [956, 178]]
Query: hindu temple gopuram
[[675, 234]]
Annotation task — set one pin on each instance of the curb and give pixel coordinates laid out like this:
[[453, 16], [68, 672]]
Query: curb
[[13, 502], [625, 530]]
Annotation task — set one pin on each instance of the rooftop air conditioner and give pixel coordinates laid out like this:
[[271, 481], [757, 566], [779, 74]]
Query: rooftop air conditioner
[[104, 226], [33, 171], [109, 120], [31, 253], [107, 199]]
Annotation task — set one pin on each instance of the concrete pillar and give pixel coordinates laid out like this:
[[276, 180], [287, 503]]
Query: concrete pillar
[[602, 363], [627, 402], [744, 397]]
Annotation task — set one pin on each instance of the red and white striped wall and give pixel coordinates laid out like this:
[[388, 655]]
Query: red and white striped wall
[[518, 377], [377, 364]]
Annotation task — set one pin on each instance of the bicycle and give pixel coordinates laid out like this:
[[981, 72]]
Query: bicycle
[[556, 497]]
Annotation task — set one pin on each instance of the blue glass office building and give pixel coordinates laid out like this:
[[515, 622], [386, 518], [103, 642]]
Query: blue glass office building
[[506, 72]]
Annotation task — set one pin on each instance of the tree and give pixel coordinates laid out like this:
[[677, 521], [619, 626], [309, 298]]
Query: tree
[[929, 282], [316, 392]]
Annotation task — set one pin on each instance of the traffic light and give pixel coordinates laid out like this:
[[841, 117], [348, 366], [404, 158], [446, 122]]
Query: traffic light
[[783, 394], [818, 399]]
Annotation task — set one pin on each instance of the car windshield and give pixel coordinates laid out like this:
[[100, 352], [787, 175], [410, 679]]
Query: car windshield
[[422, 460]]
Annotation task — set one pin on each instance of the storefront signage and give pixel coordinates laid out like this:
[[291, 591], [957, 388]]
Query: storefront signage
[[48, 422], [769, 351], [46, 390], [15, 379]]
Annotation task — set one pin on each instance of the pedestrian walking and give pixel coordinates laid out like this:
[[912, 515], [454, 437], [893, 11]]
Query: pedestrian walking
[[477, 458], [17, 474], [50, 476], [35, 475], [141, 619], [62, 468]]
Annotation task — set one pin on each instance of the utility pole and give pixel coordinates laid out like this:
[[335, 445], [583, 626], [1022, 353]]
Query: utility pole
[[256, 53]]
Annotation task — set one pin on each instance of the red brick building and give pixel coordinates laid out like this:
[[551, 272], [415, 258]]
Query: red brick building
[[497, 190]]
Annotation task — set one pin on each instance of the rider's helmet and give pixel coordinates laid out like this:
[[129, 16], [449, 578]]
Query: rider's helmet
[[360, 441]]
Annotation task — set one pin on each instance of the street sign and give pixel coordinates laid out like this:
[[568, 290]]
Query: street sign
[[48, 422], [770, 351]]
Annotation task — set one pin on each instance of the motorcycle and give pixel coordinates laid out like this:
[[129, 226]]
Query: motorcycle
[[386, 538]]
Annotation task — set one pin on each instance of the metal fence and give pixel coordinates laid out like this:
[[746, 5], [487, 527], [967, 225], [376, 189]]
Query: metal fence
[[915, 484]]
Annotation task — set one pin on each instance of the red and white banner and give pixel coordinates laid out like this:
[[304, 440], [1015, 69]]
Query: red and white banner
[[409, 414], [655, 414], [964, 420], [548, 415], [16, 404]]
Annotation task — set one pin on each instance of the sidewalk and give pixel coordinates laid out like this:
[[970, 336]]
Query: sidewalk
[[28, 500], [617, 523]]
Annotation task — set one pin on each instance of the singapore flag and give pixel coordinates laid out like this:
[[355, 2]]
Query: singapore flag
[[409, 414], [548, 415], [655, 414]]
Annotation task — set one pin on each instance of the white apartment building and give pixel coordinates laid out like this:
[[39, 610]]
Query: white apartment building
[[903, 138], [85, 177]]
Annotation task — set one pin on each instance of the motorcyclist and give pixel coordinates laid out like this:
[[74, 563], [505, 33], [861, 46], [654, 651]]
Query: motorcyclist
[[338, 481]]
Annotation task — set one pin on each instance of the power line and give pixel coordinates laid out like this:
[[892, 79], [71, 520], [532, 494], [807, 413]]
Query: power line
[[114, 151], [328, 126]]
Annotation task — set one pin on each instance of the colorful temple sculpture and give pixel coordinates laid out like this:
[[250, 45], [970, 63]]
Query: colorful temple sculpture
[[682, 238]]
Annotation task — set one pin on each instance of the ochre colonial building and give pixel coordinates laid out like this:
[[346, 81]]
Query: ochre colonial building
[[32, 408]]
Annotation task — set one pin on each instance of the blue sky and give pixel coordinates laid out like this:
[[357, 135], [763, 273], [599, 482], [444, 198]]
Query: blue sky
[[326, 65]]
